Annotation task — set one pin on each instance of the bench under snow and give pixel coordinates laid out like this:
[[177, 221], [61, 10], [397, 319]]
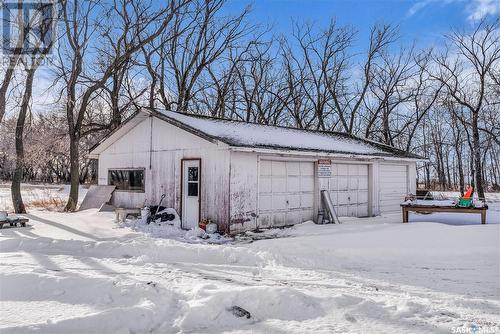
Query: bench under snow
[[13, 221]]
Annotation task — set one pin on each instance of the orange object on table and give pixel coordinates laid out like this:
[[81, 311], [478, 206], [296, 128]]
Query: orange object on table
[[468, 193]]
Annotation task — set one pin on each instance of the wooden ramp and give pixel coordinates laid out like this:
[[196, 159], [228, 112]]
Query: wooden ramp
[[96, 197]]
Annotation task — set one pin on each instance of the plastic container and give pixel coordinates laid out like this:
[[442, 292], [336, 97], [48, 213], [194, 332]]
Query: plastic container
[[3, 215], [211, 228], [465, 203]]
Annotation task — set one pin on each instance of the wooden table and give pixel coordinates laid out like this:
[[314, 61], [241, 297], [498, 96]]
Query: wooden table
[[424, 208]]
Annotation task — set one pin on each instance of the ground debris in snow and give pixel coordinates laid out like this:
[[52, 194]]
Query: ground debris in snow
[[349, 317], [272, 233], [239, 312], [172, 230]]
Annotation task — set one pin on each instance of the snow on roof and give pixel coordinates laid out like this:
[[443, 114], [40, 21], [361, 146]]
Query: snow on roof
[[243, 134]]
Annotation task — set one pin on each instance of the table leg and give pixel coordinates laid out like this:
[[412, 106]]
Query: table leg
[[483, 216], [405, 215]]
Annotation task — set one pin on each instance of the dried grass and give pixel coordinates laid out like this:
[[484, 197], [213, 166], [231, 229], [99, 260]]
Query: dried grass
[[54, 203]]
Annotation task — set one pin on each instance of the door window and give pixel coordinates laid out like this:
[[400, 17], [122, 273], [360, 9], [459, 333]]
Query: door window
[[192, 181]]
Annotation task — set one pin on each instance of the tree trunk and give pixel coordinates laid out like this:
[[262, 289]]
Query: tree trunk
[[472, 181], [5, 85], [17, 199], [74, 173], [495, 167], [477, 156], [386, 127], [448, 168], [461, 178], [116, 117], [427, 175]]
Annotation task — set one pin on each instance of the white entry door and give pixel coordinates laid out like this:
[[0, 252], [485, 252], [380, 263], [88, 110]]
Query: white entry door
[[191, 174]]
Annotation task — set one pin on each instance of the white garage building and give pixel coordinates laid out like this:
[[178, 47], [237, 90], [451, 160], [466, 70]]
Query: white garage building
[[246, 176]]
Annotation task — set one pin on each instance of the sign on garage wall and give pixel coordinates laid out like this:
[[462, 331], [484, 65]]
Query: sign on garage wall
[[324, 168]]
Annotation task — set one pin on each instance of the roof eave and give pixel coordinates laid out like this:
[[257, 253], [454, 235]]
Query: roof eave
[[320, 153]]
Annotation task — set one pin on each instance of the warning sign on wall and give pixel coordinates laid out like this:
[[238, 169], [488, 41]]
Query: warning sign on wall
[[324, 168]]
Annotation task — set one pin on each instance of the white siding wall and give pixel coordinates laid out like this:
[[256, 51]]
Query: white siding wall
[[130, 151], [163, 167], [243, 191]]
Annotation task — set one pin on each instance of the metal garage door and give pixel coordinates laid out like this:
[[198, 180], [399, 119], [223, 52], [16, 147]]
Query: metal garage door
[[348, 188], [393, 186], [286, 192]]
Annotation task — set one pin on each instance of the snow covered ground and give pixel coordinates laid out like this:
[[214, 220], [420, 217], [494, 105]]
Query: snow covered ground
[[83, 273]]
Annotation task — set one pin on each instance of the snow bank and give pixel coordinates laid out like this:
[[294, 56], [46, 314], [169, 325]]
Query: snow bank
[[141, 249]]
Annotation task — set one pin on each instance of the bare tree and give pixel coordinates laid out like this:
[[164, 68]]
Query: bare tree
[[390, 91], [7, 78], [295, 98], [24, 29], [458, 145], [31, 64], [425, 95], [25, 104], [466, 76], [348, 102], [198, 38], [124, 29], [322, 59]]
